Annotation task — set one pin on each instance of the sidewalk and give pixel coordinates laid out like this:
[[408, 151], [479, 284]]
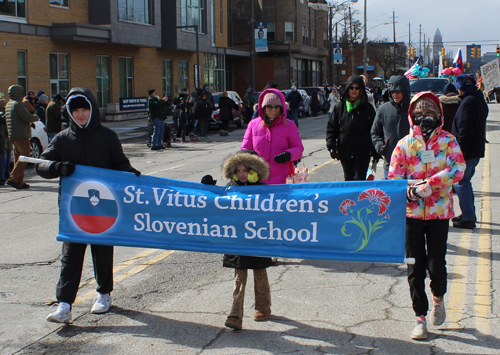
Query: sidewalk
[[129, 129]]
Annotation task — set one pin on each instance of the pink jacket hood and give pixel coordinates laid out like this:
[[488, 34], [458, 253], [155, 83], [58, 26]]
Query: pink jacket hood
[[282, 98]]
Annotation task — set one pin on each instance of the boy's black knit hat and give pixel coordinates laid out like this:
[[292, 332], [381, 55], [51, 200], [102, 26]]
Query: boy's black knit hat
[[78, 102]]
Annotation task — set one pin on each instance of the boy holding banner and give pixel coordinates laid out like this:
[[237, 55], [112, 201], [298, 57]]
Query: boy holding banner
[[432, 156], [85, 142]]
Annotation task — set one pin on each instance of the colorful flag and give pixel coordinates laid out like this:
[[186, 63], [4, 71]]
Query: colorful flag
[[408, 73], [458, 60]]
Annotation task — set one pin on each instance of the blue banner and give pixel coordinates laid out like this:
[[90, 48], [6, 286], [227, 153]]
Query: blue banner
[[261, 36], [355, 221]]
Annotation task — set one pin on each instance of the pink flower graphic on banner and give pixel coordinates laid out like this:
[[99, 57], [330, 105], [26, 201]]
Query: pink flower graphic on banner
[[377, 197], [345, 206], [361, 217]]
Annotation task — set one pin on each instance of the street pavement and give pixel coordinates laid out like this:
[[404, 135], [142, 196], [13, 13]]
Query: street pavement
[[176, 302]]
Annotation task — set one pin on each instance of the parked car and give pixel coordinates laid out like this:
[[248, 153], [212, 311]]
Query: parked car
[[436, 85], [324, 105], [39, 139], [238, 115]]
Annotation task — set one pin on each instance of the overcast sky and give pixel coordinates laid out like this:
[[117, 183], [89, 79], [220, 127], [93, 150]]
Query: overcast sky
[[461, 22]]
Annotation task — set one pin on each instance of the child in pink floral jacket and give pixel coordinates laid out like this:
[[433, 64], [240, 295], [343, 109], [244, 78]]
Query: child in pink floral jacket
[[433, 157]]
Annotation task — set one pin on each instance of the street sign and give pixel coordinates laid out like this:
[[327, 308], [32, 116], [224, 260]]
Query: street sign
[[491, 75], [337, 53]]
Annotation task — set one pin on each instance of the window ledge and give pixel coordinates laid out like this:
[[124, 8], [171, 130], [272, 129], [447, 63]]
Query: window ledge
[[7, 18], [60, 7], [136, 23]]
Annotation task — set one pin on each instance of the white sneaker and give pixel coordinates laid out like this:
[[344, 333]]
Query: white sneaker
[[438, 313], [101, 303], [62, 314], [420, 330]]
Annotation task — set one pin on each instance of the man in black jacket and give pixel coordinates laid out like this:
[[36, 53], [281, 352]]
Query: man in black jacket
[[469, 126], [391, 122], [294, 99], [85, 142], [157, 114]]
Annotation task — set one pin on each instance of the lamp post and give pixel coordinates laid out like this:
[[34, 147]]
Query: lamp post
[[330, 34], [364, 44]]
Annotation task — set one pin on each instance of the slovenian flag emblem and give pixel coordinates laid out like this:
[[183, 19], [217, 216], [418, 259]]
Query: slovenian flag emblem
[[93, 207]]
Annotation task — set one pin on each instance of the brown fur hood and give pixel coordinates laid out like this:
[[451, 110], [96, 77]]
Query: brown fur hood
[[248, 158], [450, 100]]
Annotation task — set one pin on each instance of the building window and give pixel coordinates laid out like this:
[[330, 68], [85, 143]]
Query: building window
[[289, 31], [271, 34], [305, 36], [64, 3], [325, 40], [126, 73], [103, 82], [135, 11], [15, 8], [22, 78], [168, 71], [59, 74], [183, 74], [214, 71], [192, 14], [316, 73]]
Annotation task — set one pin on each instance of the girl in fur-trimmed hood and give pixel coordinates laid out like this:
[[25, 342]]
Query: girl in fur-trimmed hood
[[256, 167], [247, 168]]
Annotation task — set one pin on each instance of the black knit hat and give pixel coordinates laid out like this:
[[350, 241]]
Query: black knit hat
[[150, 91], [78, 102]]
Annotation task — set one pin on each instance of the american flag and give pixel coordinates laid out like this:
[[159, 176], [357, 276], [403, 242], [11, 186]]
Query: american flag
[[408, 73]]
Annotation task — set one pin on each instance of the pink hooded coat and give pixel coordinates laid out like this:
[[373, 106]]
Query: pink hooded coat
[[269, 142]]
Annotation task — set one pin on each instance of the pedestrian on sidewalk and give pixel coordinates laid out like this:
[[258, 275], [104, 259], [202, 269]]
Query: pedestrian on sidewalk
[[226, 107], [246, 168], [85, 142], [469, 126], [19, 122], [203, 112], [433, 157], [53, 116], [157, 115]]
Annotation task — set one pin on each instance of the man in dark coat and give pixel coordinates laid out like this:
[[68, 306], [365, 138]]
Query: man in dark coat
[[226, 107], [203, 112], [157, 114], [19, 121], [53, 116], [294, 99], [85, 142], [469, 127], [391, 122]]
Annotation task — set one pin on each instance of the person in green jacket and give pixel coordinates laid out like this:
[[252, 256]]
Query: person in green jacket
[[19, 127]]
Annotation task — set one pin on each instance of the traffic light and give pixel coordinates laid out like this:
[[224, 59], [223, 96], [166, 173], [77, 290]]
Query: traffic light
[[473, 52], [498, 50], [445, 63], [442, 52], [478, 52], [468, 64], [413, 51], [409, 51]]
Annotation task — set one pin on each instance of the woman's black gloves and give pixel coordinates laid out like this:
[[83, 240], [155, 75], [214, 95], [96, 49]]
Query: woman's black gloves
[[283, 157], [64, 168]]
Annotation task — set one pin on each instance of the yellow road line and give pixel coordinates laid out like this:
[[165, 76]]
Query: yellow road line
[[129, 273], [483, 299], [458, 288], [324, 164]]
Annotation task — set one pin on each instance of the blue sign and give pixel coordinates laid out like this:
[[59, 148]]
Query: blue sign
[[133, 103], [261, 36], [355, 221], [337, 53]]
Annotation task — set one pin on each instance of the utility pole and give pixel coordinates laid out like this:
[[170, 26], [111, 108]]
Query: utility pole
[[365, 51], [352, 45], [394, 41], [419, 41], [252, 44], [409, 43]]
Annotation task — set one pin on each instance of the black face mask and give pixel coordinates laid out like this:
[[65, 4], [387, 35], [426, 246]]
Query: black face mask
[[427, 124]]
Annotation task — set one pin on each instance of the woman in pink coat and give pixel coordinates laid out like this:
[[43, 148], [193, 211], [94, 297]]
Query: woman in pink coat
[[275, 138]]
